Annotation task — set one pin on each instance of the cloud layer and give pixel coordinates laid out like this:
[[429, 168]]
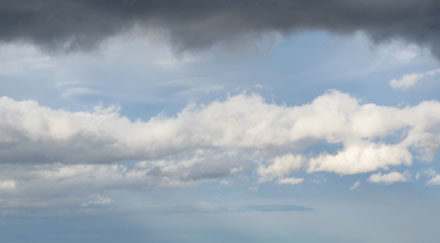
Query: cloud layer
[[45, 151], [194, 25], [241, 128]]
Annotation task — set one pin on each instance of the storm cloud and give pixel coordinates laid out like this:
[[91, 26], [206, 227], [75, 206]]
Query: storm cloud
[[197, 25]]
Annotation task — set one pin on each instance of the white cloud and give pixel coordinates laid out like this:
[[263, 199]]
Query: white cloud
[[46, 185], [222, 139], [38, 134], [98, 200], [361, 157], [389, 178], [280, 166], [411, 79], [355, 186], [434, 180], [154, 174], [7, 185], [290, 181]]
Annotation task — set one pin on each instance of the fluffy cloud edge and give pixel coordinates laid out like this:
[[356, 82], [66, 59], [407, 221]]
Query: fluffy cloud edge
[[389, 178], [409, 80], [225, 138]]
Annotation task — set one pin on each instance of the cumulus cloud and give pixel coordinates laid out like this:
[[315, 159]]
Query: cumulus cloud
[[41, 147], [411, 79], [361, 157], [389, 178], [42, 185], [154, 174], [280, 166], [194, 25], [238, 127]]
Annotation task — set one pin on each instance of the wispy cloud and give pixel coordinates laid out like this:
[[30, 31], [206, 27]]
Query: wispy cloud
[[290, 181], [355, 186], [389, 178], [434, 177], [411, 79], [206, 207], [434, 181], [7, 185], [99, 200]]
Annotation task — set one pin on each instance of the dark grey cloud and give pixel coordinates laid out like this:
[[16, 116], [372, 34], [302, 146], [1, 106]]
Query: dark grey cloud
[[197, 24]]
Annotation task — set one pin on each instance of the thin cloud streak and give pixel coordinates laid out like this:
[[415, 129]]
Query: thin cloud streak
[[411, 79]]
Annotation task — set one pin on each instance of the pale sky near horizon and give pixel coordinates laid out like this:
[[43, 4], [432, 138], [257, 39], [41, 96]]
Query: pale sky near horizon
[[148, 122]]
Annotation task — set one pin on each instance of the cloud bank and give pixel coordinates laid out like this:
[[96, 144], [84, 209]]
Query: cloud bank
[[241, 127], [195, 25], [45, 151]]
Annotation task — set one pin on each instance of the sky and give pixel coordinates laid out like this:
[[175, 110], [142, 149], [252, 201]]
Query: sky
[[219, 121]]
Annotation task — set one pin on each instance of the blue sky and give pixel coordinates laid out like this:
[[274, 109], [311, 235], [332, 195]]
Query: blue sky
[[309, 136]]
